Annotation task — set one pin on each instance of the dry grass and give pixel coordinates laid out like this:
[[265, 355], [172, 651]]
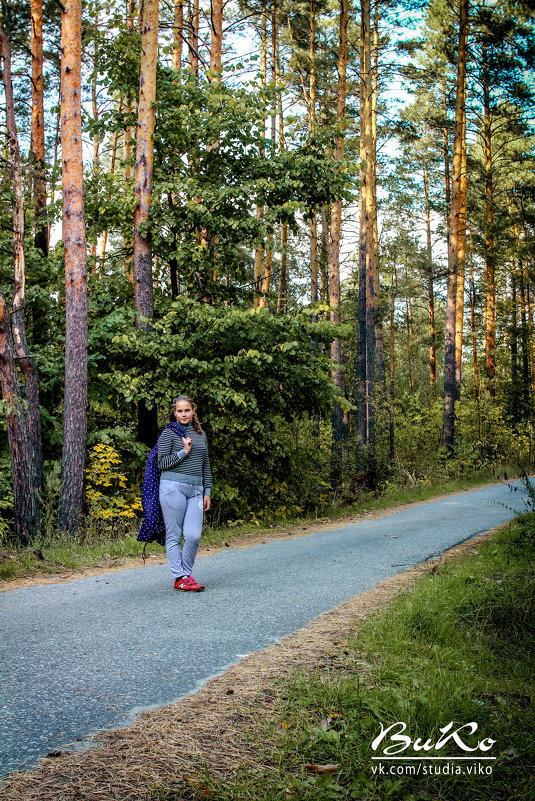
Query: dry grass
[[208, 728]]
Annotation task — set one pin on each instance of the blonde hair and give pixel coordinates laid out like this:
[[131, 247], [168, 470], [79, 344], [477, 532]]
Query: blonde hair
[[195, 420]]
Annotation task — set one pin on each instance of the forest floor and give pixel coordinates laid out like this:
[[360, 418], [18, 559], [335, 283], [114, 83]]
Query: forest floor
[[59, 561], [294, 721]]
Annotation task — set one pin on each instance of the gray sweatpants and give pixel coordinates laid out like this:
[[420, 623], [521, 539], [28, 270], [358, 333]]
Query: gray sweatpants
[[182, 509]]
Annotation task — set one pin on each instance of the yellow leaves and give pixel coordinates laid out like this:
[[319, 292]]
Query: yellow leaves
[[106, 486]]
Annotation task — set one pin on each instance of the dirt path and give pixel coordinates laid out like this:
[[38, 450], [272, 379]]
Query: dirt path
[[208, 728], [246, 541]]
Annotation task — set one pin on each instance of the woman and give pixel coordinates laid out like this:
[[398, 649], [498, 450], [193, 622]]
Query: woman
[[185, 485]]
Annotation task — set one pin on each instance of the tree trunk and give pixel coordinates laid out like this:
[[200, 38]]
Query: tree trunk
[[178, 29], [16, 431], [524, 336], [333, 255], [490, 290], [259, 252], [217, 38], [143, 290], [313, 224], [25, 431], [447, 181], [269, 244], [459, 303], [281, 300], [367, 251], [75, 405], [96, 138], [143, 285], [473, 323], [38, 125], [193, 38], [457, 227], [379, 344], [392, 362], [430, 290], [515, 395]]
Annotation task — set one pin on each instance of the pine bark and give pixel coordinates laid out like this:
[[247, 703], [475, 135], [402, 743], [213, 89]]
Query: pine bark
[[473, 322], [430, 290], [178, 26], [461, 268], [313, 224], [379, 343], [447, 179], [367, 253], [489, 253], [193, 38], [24, 424], [392, 360], [281, 299], [216, 46], [143, 290], [143, 283], [38, 125], [333, 256], [457, 227], [75, 404], [259, 252]]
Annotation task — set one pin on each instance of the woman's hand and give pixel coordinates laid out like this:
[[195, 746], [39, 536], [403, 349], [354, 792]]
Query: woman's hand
[[186, 441], [206, 504]]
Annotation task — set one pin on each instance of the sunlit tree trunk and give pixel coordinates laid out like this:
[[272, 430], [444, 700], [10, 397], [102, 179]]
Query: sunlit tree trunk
[[23, 416], [392, 360], [473, 322], [55, 162], [457, 228], [193, 37], [216, 45], [259, 252], [524, 335], [364, 224], [38, 125], [96, 137], [75, 404], [333, 255], [461, 269], [281, 299], [515, 395], [178, 26], [530, 329], [129, 133], [313, 224], [379, 344], [143, 284], [489, 255], [104, 240], [430, 290], [447, 180], [367, 252]]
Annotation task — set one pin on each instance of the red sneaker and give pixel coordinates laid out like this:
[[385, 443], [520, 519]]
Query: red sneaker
[[188, 584]]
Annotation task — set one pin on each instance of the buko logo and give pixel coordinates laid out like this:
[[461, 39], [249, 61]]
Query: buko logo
[[400, 743]]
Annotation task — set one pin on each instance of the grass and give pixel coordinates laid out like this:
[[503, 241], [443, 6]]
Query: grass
[[99, 544], [456, 647]]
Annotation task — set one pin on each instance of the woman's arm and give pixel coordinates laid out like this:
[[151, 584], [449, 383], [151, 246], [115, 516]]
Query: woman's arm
[[167, 458], [206, 478]]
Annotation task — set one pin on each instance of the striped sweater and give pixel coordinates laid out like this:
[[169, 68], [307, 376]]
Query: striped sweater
[[177, 465]]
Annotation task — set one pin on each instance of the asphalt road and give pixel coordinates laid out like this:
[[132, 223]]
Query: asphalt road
[[88, 654]]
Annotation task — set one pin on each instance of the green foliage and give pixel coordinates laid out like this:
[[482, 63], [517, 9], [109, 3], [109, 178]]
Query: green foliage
[[254, 376]]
